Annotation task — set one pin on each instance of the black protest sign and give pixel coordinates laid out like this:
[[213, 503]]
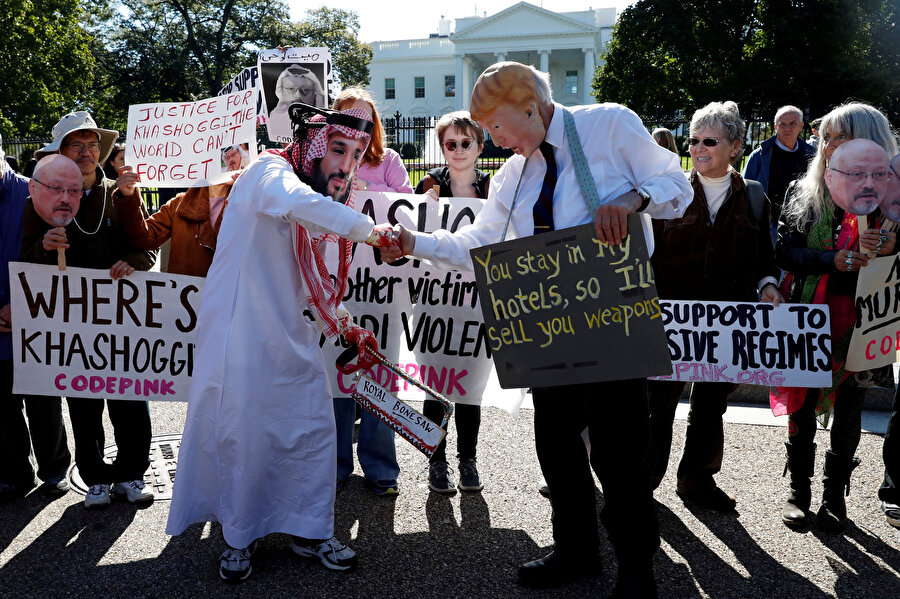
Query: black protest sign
[[564, 308]]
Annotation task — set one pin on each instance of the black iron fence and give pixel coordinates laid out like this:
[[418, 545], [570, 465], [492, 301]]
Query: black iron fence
[[413, 137]]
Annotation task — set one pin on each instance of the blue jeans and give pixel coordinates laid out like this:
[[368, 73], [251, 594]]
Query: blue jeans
[[375, 447]]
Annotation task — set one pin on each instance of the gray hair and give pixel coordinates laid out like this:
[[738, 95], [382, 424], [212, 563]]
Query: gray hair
[[786, 109], [854, 120], [724, 116]]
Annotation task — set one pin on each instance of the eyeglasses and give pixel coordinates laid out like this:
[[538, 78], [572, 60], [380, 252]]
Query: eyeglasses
[[73, 193], [858, 176], [451, 144], [79, 147], [707, 141]]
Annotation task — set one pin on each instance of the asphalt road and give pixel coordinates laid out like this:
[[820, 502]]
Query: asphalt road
[[419, 544]]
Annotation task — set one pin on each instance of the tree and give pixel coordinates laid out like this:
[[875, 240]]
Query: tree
[[336, 29], [668, 56], [47, 65]]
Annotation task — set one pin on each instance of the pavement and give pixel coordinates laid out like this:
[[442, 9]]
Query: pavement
[[419, 544]]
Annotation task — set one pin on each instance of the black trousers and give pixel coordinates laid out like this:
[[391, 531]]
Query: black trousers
[[846, 428], [131, 426], [891, 453], [704, 441], [617, 416], [468, 423], [44, 431]]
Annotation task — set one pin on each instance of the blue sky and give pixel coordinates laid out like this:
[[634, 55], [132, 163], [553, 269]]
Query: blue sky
[[409, 19]]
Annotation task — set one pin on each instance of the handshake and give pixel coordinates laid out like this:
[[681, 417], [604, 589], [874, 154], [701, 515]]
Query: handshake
[[394, 242]]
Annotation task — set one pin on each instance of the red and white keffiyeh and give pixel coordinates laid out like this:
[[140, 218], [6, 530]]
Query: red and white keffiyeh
[[324, 295]]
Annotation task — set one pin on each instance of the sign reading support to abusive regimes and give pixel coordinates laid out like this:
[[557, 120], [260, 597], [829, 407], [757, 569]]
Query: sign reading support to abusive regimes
[[748, 343], [564, 308], [78, 333]]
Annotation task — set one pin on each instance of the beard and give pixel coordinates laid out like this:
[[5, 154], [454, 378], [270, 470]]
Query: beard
[[319, 183]]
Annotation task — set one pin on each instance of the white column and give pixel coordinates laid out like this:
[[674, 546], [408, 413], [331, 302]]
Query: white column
[[466, 83], [501, 56], [545, 60], [461, 98], [588, 74]]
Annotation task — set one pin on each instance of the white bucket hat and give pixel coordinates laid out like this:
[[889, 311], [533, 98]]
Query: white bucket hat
[[77, 121]]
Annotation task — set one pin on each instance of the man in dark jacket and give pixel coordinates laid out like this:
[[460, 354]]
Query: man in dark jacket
[[45, 423], [780, 159], [94, 239]]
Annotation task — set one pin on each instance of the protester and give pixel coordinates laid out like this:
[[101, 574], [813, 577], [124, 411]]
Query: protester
[[632, 173], [819, 246], [780, 159], [45, 422], [381, 169], [94, 239], [462, 141], [813, 140], [113, 164], [665, 138], [719, 250], [258, 450]]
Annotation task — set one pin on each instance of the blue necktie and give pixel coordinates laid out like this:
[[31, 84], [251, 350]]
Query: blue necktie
[[543, 208]]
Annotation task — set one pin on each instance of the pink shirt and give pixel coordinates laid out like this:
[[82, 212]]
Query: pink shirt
[[390, 175]]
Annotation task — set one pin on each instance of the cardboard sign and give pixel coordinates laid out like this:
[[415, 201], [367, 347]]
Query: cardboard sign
[[293, 75], [564, 308], [78, 333], [248, 78], [426, 319], [183, 144], [748, 343], [876, 335]]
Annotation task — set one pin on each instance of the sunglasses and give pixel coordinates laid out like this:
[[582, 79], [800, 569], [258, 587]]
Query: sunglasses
[[451, 144], [707, 141]]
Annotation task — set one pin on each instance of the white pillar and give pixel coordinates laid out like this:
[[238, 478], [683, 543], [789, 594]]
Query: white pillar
[[545, 60], [501, 56], [466, 82], [461, 98], [588, 74]]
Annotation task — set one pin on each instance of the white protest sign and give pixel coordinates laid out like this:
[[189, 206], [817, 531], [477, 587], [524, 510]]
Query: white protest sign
[[182, 144], [248, 78], [876, 335], [748, 343], [427, 320], [292, 75], [78, 333]]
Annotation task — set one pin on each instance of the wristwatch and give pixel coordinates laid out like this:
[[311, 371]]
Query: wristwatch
[[645, 198]]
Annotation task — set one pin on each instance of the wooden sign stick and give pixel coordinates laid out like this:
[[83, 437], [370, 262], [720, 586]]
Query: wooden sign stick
[[61, 258]]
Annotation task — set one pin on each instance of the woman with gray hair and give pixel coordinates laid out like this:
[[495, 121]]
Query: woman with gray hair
[[720, 250], [819, 247]]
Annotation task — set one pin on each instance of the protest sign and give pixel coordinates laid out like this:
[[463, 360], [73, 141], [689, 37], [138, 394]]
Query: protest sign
[[427, 320], [748, 343], [182, 144], [876, 334], [562, 307], [248, 78], [78, 333], [292, 75]]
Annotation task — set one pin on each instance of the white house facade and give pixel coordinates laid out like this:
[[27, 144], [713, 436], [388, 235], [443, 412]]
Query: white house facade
[[433, 76]]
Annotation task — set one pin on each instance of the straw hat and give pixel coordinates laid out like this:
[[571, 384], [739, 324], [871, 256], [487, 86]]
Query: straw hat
[[77, 121]]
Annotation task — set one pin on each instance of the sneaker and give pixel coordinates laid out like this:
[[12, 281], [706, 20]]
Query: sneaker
[[544, 488], [97, 496], [468, 476], [134, 490], [55, 487], [891, 513], [440, 479], [235, 564], [10, 492], [333, 554], [386, 490]]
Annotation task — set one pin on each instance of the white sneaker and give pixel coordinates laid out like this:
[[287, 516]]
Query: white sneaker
[[333, 554], [97, 496], [134, 490], [235, 564]]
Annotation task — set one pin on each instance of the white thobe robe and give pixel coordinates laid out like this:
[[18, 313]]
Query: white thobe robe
[[258, 450]]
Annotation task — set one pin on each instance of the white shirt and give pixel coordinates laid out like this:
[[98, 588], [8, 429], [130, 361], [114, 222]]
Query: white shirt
[[622, 156], [715, 190]]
